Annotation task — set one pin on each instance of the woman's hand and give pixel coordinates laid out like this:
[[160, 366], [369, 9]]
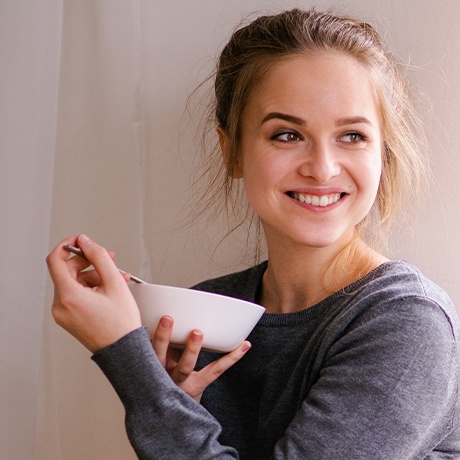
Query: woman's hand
[[96, 307], [180, 365]]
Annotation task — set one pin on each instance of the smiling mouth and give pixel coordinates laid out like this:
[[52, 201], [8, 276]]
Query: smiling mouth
[[315, 200]]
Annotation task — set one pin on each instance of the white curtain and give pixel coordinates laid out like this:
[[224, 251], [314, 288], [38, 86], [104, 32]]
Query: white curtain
[[94, 139], [30, 42]]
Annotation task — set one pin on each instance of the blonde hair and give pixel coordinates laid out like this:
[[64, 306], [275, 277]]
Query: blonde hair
[[253, 49]]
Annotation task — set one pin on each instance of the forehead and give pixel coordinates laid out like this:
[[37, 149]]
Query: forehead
[[330, 84]]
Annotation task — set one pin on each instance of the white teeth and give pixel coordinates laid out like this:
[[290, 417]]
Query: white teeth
[[315, 200], [324, 201]]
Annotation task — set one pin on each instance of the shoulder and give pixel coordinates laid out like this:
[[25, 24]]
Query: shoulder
[[242, 285], [402, 289], [395, 306], [395, 321], [405, 278]]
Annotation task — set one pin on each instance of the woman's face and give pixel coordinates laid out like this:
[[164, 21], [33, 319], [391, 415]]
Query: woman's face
[[311, 149]]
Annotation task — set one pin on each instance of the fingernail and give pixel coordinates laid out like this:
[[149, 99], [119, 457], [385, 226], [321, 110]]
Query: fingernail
[[166, 322], [246, 346], [197, 336], [83, 240]]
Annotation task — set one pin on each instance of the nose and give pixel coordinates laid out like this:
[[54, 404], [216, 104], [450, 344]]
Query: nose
[[320, 162]]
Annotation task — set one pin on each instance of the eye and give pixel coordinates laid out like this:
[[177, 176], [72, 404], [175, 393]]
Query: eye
[[287, 136], [352, 138]]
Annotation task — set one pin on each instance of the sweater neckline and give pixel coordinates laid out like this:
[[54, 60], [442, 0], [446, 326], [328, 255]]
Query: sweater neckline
[[298, 317]]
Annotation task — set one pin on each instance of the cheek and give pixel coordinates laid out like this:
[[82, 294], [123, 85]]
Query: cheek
[[262, 177], [371, 179], [378, 172], [366, 174], [265, 172]]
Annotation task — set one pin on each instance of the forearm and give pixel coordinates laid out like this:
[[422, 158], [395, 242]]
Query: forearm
[[161, 419]]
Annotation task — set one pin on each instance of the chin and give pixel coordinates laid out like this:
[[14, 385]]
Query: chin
[[322, 240], [308, 236]]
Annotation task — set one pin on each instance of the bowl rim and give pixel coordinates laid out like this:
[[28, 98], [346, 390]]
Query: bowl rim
[[142, 286]]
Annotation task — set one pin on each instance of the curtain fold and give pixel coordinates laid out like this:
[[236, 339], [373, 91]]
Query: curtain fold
[[97, 189], [30, 39]]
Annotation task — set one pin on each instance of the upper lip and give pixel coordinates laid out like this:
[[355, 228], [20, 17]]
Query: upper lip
[[317, 191]]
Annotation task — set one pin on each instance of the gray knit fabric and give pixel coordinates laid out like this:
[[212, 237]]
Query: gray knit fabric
[[369, 373]]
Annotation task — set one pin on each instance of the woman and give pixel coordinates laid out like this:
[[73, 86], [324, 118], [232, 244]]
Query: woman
[[356, 356]]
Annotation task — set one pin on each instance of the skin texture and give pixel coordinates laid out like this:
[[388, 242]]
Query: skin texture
[[95, 309], [329, 144]]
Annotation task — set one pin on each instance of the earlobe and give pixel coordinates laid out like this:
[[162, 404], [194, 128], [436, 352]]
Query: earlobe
[[232, 166]]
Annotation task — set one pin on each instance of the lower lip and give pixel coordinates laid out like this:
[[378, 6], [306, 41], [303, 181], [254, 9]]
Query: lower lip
[[318, 209]]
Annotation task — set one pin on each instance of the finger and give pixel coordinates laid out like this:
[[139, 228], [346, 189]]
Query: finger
[[100, 259], [215, 369], [57, 262], [172, 358], [187, 363], [89, 278], [80, 263], [77, 264], [162, 337]]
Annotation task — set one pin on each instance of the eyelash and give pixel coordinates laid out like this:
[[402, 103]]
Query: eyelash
[[290, 134], [354, 134], [295, 137]]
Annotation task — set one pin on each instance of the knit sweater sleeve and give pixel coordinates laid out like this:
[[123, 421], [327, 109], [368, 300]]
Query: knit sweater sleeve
[[161, 420], [388, 388]]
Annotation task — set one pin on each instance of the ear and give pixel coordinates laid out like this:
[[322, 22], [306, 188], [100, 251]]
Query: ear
[[234, 170]]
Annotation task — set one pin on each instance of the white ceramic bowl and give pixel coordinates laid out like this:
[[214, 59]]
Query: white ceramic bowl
[[224, 321]]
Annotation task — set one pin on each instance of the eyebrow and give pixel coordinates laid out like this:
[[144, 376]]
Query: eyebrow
[[283, 116], [352, 121], [299, 121]]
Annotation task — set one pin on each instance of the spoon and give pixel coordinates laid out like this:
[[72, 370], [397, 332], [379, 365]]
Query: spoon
[[80, 253]]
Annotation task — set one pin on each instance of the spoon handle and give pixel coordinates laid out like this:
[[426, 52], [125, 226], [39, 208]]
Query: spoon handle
[[80, 253]]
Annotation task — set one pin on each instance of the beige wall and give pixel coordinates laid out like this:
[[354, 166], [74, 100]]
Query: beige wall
[[94, 139]]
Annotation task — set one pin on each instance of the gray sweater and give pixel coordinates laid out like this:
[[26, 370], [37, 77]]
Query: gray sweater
[[371, 372]]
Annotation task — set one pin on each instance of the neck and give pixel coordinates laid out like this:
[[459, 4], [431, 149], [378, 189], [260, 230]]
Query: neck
[[300, 278]]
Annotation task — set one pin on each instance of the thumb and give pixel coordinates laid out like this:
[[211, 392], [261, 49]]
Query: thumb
[[100, 259]]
